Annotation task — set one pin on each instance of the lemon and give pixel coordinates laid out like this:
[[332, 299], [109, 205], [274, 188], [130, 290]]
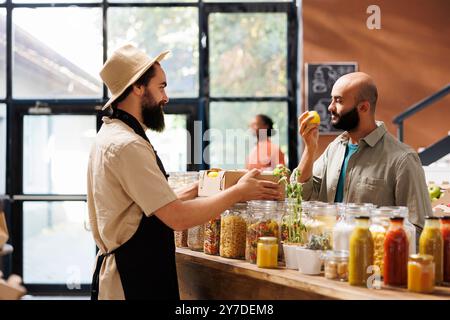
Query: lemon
[[213, 174], [316, 117]]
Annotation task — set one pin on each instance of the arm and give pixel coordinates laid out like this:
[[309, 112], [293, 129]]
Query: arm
[[411, 189], [188, 193], [180, 215]]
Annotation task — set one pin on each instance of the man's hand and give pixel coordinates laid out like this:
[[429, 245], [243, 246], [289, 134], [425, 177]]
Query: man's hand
[[308, 131], [189, 192], [253, 189]]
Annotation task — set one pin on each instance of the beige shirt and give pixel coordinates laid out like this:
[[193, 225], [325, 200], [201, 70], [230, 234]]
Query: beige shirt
[[123, 181], [383, 171]]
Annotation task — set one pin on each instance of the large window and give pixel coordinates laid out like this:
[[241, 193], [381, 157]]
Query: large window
[[230, 60]]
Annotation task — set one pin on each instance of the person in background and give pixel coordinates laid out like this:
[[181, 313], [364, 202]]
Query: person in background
[[365, 164], [132, 209], [265, 155]]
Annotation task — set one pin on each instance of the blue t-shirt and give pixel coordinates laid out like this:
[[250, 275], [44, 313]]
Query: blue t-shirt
[[349, 151]]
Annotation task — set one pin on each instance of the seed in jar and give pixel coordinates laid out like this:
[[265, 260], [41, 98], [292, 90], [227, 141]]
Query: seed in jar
[[342, 270]]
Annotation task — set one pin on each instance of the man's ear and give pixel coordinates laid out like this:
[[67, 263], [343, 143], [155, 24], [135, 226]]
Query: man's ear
[[364, 106], [138, 90]]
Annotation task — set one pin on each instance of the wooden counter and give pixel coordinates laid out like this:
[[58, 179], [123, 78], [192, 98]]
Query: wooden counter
[[210, 277]]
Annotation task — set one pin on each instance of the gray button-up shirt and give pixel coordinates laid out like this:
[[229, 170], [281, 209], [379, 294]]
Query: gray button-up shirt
[[383, 171]]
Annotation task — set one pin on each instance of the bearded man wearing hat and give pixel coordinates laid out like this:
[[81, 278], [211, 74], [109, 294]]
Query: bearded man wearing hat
[[132, 210]]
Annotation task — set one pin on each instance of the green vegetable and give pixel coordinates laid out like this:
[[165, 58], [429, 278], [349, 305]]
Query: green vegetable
[[293, 220], [319, 242]]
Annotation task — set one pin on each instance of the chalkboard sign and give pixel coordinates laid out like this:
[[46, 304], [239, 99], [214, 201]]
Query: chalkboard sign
[[320, 78]]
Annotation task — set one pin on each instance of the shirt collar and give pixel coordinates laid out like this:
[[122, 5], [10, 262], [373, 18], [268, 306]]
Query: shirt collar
[[371, 139]]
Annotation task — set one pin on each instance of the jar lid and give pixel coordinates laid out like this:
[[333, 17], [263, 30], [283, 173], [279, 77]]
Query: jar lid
[[362, 217], [268, 240], [397, 218], [431, 218], [445, 218], [421, 258], [337, 255]]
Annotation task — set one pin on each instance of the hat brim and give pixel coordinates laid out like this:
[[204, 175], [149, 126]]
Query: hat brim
[[147, 66]]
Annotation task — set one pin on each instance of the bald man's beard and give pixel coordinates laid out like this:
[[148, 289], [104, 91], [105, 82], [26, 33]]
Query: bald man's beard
[[347, 121], [152, 112]]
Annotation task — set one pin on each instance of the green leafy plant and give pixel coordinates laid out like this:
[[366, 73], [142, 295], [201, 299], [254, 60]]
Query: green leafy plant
[[319, 242], [292, 225]]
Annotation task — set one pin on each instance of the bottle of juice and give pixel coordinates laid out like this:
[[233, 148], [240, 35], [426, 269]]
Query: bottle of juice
[[431, 243], [361, 252], [445, 230], [396, 253]]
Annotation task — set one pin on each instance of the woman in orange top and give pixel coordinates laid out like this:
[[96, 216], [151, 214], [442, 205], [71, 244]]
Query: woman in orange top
[[265, 155]]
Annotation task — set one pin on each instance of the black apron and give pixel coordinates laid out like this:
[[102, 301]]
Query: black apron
[[146, 262]]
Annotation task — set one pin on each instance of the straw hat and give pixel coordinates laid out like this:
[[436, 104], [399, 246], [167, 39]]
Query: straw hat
[[125, 66]]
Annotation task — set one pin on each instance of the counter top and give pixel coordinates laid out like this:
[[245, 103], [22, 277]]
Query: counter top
[[312, 286]]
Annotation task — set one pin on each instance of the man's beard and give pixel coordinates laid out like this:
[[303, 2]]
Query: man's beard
[[152, 113], [347, 121]]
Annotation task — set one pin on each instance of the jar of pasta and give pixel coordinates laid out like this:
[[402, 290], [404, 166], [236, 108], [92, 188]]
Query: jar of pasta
[[378, 227], [233, 232], [264, 221], [181, 239], [212, 237]]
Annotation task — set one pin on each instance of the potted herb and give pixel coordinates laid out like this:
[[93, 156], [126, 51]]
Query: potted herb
[[309, 258], [293, 230]]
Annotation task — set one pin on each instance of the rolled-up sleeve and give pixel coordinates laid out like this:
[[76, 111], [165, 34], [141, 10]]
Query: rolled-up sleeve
[[411, 189], [311, 188], [141, 178]]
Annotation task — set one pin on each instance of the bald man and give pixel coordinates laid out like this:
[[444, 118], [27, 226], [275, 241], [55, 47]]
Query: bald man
[[365, 163]]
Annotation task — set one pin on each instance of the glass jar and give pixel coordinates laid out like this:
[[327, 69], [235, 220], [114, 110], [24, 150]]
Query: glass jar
[[378, 227], [267, 252], [396, 253], [410, 229], [293, 222], [212, 237], [263, 221], [181, 239], [323, 219], [421, 275], [336, 265], [431, 243], [361, 252], [345, 225], [233, 231], [196, 238], [445, 230]]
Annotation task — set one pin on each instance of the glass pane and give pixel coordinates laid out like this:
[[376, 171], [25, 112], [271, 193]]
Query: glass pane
[[230, 138], [2, 53], [55, 153], [2, 148], [57, 249], [155, 30], [253, 61], [172, 143], [60, 58]]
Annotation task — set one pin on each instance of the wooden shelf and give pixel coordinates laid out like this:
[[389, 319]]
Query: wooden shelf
[[203, 276]]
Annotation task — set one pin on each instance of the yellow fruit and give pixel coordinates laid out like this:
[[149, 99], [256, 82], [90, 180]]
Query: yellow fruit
[[316, 117], [213, 174]]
